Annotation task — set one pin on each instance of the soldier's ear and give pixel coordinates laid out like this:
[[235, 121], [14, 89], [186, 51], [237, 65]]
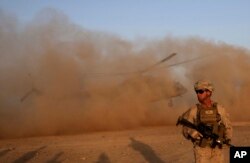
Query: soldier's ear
[[209, 93]]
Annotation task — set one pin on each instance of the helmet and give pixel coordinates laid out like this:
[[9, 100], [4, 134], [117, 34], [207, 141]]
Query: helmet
[[203, 84]]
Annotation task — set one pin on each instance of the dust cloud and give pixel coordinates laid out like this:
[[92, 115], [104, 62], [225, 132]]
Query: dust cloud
[[59, 78]]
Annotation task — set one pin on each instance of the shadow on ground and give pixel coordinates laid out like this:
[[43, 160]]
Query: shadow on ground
[[28, 156], [4, 152], [56, 158], [147, 152], [103, 158]]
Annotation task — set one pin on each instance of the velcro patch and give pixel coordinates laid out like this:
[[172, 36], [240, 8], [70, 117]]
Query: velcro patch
[[209, 112]]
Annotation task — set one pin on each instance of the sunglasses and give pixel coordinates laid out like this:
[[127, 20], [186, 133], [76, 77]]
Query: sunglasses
[[200, 91]]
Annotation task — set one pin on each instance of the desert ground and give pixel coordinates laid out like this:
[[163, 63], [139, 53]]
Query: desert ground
[[156, 144]]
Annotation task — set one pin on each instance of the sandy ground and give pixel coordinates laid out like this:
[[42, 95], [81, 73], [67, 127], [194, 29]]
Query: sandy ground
[[149, 144]]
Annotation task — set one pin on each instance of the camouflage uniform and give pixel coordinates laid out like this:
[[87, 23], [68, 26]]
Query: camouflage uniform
[[206, 154]]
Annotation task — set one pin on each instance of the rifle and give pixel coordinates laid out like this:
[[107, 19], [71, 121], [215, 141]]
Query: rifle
[[215, 133]]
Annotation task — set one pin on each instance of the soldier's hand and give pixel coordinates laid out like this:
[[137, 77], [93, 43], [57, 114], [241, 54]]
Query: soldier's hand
[[196, 135]]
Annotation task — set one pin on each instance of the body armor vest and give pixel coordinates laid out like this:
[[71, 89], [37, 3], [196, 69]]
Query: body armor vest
[[209, 116]]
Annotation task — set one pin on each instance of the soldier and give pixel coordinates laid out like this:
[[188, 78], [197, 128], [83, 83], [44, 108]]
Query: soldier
[[211, 114]]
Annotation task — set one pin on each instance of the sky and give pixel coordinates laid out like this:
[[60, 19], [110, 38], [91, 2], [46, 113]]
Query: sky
[[224, 21]]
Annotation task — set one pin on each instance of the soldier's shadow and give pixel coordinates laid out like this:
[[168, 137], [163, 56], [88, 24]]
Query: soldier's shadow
[[147, 152]]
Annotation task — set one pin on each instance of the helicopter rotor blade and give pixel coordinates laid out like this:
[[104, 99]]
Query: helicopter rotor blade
[[160, 62], [167, 58], [187, 61], [131, 72]]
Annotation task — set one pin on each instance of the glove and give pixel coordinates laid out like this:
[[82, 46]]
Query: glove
[[196, 135]]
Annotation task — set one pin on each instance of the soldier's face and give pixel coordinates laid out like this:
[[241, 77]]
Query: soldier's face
[[202, 95]]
